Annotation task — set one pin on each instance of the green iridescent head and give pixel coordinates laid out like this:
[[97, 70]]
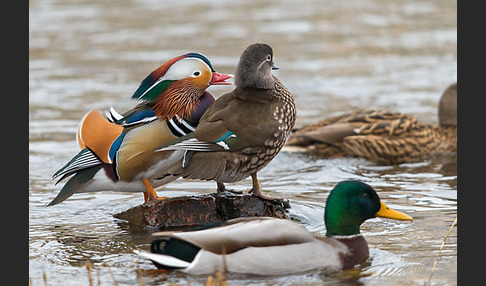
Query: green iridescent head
[[350, 203]]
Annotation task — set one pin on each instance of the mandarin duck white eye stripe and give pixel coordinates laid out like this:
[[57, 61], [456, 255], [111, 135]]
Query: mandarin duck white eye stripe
[[184, 68]]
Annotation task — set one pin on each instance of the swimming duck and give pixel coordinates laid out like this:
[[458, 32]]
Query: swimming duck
[[117, 151], [271, 246], [242, 131], [382, 136]]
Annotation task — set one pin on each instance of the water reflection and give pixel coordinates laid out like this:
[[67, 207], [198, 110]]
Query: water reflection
[[334, 56]]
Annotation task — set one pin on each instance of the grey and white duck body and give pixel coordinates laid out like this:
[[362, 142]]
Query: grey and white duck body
[[270, 246]]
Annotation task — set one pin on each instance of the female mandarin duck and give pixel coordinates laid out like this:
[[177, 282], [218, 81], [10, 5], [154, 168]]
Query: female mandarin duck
[[382, 136], [118, 154], [242, 131], [270, 246]]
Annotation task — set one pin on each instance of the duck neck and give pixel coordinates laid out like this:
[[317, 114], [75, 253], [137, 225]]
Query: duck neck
[[358, 250], [343, 231], [254, 94], [340, 225]]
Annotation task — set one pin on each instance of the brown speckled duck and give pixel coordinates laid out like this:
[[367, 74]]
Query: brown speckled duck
[[382, 136], [242, 131]]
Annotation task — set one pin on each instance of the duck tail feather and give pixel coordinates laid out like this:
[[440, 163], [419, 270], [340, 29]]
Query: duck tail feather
[[76, 183]]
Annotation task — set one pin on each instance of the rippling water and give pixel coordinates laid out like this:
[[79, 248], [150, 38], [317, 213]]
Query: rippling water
[[334, 56]]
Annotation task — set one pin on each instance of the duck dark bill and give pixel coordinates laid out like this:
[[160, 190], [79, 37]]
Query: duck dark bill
[[219, 79], [387, 212]]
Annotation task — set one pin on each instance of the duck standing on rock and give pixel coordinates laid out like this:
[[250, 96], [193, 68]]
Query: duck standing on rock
[[271, 246], [117, 153], [242, 131], [382, 136]]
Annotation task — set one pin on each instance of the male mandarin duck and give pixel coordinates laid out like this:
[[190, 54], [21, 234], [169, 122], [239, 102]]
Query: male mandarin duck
[[242, 131], [382, 136], [271, 246], [117, 154]]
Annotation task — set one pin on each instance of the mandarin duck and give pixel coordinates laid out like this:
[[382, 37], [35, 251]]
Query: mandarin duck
[[271, 246], [117, 151], [382, 136], [242, 131]]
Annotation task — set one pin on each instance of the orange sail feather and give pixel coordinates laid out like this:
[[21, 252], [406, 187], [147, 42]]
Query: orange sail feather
[[97, 133]]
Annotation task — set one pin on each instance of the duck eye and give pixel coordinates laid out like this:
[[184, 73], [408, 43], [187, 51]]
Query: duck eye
[[366, 195], [196, 73], [269, 58]]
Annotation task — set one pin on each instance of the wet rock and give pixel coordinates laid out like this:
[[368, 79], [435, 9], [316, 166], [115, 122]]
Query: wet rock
[[191, 211]]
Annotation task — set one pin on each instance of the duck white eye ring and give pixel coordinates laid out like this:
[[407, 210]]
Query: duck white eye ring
[[196, 73], [269, 58]]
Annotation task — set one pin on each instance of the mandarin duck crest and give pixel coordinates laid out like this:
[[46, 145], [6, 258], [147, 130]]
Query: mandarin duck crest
[[177, 85]]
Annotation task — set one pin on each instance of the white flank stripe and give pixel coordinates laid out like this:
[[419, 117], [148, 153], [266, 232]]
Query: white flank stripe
[[171, 121], [185, 123]]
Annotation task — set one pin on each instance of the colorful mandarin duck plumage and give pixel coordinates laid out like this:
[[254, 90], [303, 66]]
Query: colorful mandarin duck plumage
[[271, 246], [117, 153], [242, 131], [382, 136]]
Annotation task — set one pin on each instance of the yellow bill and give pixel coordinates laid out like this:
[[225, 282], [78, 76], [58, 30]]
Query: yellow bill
[[387, 212]]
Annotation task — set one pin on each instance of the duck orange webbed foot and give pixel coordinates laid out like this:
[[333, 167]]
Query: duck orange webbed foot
[[150, 194], [154, 198], [257, 191], [151, 198], [274, 200], [222, 189]]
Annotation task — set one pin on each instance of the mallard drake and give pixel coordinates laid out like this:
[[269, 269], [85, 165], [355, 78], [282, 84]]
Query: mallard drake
[[382, 136], [117, 151], [270, 246], [242, 131]]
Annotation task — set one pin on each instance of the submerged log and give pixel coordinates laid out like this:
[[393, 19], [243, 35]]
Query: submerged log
[[191, 211]]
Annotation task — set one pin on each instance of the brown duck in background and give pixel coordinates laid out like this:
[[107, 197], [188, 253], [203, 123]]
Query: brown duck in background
[[382, 136]]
